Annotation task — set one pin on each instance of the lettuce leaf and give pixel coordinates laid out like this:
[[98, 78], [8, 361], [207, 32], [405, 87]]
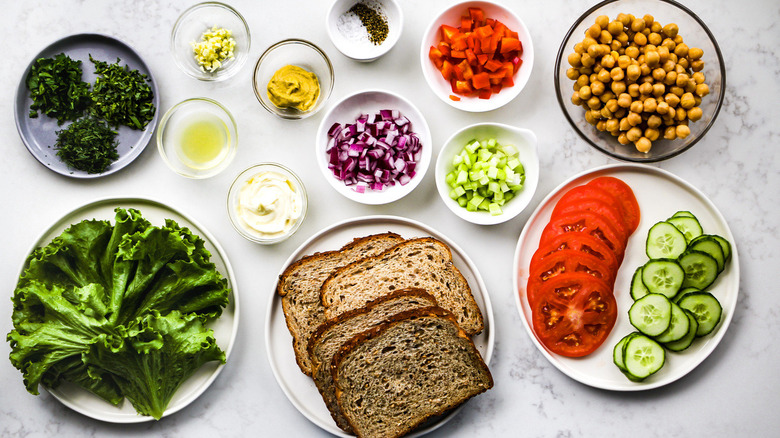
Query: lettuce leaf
[[119, 310]]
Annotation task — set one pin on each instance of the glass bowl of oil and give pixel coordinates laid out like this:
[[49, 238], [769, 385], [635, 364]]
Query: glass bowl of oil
[[197, 138]]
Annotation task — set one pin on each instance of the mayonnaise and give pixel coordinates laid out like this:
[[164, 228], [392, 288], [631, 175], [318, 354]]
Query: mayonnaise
[[269, 205]]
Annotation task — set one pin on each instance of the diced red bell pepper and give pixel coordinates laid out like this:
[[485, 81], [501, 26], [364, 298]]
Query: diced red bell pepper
[[484, 31], [493, 65], [458, 54], [444, 48], [482, 59], [485, 94], [463, 87], [447, 32], [446, 70], [471, 57], [459, 42], [481, 80], [509, 44], [466, 24], [508, 82], [477, 14], [454, 98]]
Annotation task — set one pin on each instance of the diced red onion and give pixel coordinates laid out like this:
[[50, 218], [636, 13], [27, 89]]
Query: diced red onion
[[375, 151]]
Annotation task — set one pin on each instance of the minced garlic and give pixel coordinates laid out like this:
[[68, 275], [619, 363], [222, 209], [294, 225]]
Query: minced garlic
[[215, 46]]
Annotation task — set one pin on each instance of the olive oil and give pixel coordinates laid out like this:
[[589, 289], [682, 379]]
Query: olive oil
[[202, 140]]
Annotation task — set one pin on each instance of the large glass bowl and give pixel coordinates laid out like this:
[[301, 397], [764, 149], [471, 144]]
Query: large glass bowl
[[695, 34]]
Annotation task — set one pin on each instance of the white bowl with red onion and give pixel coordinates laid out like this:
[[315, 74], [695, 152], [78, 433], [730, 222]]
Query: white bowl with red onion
[[374, 147]]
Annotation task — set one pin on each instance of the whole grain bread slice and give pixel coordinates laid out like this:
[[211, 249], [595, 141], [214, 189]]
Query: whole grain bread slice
[[326, 341], [423, 262], [299, 286], [393, 377]]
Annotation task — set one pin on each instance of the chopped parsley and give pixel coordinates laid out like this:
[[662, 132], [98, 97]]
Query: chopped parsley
[[56, 88], [121, 96], [88, 144]]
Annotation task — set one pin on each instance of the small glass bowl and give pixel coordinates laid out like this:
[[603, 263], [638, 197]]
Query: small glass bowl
[[176, 120], [293, 52], [695, 34], [198, 19], [233, 199]]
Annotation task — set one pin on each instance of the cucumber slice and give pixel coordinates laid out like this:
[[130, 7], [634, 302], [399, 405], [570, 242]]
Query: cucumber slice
[[686, 340], [643, 357], [706, 308], [688, 225], [664, 241], [651, 314], [638, 289], [678, 326], [701, 269], [684, 291], [708, 244], [618, 357], [663, 276], [724, 245], [683, 213]]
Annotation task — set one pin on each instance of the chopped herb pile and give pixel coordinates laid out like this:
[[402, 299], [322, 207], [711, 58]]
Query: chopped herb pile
[[88, 144], [56, 88], [118, 309], [121, 96]]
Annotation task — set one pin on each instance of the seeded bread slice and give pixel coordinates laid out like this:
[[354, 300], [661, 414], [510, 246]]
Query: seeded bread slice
[[299, 286], [392, 378], [330, 336], [424, 263]]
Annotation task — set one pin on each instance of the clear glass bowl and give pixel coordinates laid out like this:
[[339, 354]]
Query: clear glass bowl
[[293, 52], [233, 202], [208, 116], [198, 19], [695, 34]]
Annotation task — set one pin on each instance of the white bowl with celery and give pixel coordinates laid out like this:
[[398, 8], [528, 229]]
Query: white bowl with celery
[[487, 173]]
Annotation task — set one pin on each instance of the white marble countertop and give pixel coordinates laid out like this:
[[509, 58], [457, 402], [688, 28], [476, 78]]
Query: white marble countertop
[[732, 393]]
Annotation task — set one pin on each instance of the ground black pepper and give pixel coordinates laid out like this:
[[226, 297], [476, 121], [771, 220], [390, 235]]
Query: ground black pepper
[[373, 21]]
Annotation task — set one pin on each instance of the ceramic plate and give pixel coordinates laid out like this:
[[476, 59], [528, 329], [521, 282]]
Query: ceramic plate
[[660, 194], [40, 134], [225, 327], [300, 388]]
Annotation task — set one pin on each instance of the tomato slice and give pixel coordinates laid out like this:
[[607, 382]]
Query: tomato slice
[[585, 222], [610, 212], [624, 194], [573, 315], [565, 261], [581, 242]]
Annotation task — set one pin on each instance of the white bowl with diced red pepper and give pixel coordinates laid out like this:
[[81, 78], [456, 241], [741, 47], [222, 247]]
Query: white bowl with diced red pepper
[[487, 173], [374, 147]]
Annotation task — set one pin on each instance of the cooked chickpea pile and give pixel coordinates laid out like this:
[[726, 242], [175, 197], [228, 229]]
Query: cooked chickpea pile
[[637, 79]]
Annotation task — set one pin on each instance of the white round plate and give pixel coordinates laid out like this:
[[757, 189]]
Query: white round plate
[[298, 387], [660, 194], [367, 102], [225, 327]]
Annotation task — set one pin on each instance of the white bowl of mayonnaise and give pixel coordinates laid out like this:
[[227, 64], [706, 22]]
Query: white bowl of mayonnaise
[[267, 203]]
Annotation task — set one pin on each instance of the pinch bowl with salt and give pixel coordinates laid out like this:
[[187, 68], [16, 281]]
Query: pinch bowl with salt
[[364, 30]]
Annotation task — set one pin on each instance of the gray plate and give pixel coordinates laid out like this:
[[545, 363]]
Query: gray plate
[[40, 134]]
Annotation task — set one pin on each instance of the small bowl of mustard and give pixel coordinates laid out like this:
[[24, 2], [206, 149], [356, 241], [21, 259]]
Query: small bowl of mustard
[[267, 203], [293, 79]]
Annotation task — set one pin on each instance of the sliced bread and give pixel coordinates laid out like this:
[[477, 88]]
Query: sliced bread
[[330, 336], [393, 377], [299, 286], [424, 263]]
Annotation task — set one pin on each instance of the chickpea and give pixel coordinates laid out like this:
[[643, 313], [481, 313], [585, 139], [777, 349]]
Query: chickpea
[[587, 60], [612, 105], [634, 119], [658, 74], [594, 31], [650, 105], [682, 79], [637, 25], [668, 66], [623, 61], [670, 98], [623, 139], [702, 90], [585, 92], [572, 73], [667, 42], [670, 133], [679, 68], [680, 114], [678, 39], [624, 100], [697, 99], [597, 88], [615, 28], [604, 76], [677, 90], [652, 134], [633, 90], [645, 89], [605, 37], [607, 96], [663, 54], [697, 65], [643, 144], [662, 108], [613, 125], [687, 101], [618, 87], [671, 77], [587, 42], [624, 19], [593, 77], [583, 80], [682, 131], [594, 103], [640, 39], [670, 30], [695, 113], [589, 118], [698, 77], [605, 113], [652, 58], [656, 27], [575, 59], [683, 62], [633, 72], [615, 45], [602, 21], [654, 38], [623, 38], [690, 87], [601, 125], [624, 125], [636, 107], [695, 53], [658, 89], [634, 134], [578, 48], [654, 122], [616, 74]]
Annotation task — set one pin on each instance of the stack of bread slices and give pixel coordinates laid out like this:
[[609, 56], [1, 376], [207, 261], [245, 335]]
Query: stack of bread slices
[[384, 326]]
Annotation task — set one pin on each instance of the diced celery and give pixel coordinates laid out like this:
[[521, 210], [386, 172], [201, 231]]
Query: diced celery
[[509, 149], [472, 146], [494, 187], [501, 175], [484, 180], [504, 187], [492, 172], [483, 191], [498, 196], [450, 178], [476, 200], [513, 164], [457, 159], [491, 142], [462, 201], [495, 209], [462, 178], [471, 207], [457, 192], [484, 205]]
